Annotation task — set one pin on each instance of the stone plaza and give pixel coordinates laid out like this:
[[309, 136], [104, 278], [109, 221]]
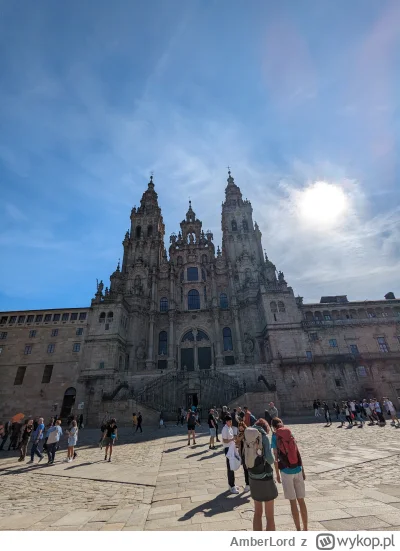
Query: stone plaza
[[157, 482]]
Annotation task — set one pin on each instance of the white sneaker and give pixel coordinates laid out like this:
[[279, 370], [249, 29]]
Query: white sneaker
[[234, 490], [246, 488], [69, 461]]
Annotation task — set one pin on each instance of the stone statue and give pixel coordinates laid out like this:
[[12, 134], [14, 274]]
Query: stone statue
[[141, 350], [100, 287], [248, 344], [281, 277]]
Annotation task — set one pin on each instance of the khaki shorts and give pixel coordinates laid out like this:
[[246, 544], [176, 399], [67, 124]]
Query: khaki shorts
[[293, 486]]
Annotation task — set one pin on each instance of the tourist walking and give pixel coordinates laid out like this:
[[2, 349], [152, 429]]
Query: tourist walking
[[342, 415], [216, 417], [327, 414], [248, 418], [139, 422], [191, 426], [5, 433], [37, 437], [358, 411], [161, 422], [53, 438], [229, 439], [211, 426], [336, 409], [240, 444], [110, 437], [316, 409], [272, 410], [27, 430], [368, 412], [72, 433], [134, 420], [391, 410], [235, 422], [259, 460], [290, 472], [378, 411], [15, 435]]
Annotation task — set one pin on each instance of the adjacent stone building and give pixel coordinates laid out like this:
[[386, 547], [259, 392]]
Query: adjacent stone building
[[201, 325]]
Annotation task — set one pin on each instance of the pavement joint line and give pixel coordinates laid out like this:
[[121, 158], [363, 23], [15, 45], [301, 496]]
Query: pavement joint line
[[97, 479]]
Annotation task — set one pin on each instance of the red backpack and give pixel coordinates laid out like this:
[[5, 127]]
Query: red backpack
[[288, 452]]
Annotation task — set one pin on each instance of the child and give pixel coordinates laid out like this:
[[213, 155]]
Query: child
[[289, 471]]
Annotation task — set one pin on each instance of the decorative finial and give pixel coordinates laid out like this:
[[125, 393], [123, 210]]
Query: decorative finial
[[229, 170], [151, 176], [118, 265]]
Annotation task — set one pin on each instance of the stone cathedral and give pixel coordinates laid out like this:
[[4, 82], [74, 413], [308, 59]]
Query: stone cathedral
[[197, 325]]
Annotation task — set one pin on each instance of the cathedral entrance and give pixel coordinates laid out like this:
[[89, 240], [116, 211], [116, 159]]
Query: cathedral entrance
[[195, 351], [68, 402], [191, 400]]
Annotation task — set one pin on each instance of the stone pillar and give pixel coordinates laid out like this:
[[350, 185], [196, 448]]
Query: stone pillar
[[150, 349], [238, 335], [171, 340], [214, 297], [195, 352], [217, 331]]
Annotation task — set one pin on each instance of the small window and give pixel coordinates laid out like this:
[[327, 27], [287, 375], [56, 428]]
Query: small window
[[13, 319], [354, 350], [102, 317], [149, 231], [234, 225], [164, 304], [227, 336], [201, 336], [101, 365], [47, 317], [361, 370], [74, 316], [327, 317], [313, 337], [76, 347], [65, 317], [54, 333], [32, 333], [79, 331], [20, 375], [47, 373], [273, 306], [39, 318], [188, 336], [162, 364], [281, 306], [107, 326], [193, 300], [383, 346], [223, 301], [82, 316], [309, 354], [21, 319], [30, 319], [28, 349], [3, 320], [163, 343], [192, 274], [3, 335], [338, 382], [333, 343], [56, 317], [229, 360], [51, 348], [138, 232], [245, 225]]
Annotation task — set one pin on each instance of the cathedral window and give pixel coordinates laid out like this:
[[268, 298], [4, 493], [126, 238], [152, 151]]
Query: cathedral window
[[162, 343], [164, 304], [51, 348], [245, 225], [203, 274], [273, 306], [188, 336], [193, 274], [149, 231], [82, 316], [201, 336], [76, 347], [110, 317], [227, 336], [102, 317], [281, 306], [193, 300], [56, 317], [138, 232], [223, 301], [65, 317], [234, 225]]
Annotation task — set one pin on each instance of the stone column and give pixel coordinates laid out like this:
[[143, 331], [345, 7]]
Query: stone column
[[195, 353], [171, 340], [238, 335], [217, 331], [150, 349]]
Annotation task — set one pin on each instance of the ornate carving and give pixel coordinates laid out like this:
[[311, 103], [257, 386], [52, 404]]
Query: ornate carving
[[141, 350]]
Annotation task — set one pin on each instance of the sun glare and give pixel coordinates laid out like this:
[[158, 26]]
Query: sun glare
[[322, 204]]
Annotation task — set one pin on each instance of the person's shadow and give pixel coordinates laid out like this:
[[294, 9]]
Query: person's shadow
[[220, 504]]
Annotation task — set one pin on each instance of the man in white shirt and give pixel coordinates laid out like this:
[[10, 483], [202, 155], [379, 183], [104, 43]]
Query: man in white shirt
[[228, 439], [388, 405]]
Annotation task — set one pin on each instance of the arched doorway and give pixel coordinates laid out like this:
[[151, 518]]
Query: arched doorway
[[195, 350], [68, 402]]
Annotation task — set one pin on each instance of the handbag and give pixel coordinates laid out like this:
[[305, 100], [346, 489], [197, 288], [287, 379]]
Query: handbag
[[233, 458]]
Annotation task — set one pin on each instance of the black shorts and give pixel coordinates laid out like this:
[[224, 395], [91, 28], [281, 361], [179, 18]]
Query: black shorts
[[191, 427]]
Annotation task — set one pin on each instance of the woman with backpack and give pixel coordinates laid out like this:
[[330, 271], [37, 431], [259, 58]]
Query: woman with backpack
[[259, 460], [109, 438], [191, 426], [240, 445]]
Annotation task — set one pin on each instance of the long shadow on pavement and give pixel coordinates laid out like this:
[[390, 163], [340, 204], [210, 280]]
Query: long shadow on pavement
[[220, 504]]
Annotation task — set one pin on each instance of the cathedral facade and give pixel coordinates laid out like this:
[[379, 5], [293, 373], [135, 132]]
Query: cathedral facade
[[199, 325]]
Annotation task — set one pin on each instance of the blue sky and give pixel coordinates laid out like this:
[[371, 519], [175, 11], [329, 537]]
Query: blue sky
[[94, 95]]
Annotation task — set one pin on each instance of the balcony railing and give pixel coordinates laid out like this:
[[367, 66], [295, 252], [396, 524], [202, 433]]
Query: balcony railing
[[341, 358], [322, 324]]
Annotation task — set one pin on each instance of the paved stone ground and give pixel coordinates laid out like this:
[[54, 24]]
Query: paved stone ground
[[157, 482]]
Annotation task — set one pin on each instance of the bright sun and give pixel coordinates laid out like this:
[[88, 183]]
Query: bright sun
[[322, 204]]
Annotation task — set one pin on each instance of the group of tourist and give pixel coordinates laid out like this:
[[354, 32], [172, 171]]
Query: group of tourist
[[246, 442], [358, 412], [43, 438]]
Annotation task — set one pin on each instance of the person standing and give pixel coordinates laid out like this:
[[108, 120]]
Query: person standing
[[248, 418], [27, 430], [290, 471], [240, 444], [139, 422], [272, 410], [5, 433], [72, 440], [211, 426], [228, 439], [134, 420], [216, 417], [15, 435], [36, 439], [235, 422], [358, 410], [336, 409], [327, 414], [191, 426], [388, 404], [316, 409], [378, 411], [53, 438], [161, 421], [110, 437]]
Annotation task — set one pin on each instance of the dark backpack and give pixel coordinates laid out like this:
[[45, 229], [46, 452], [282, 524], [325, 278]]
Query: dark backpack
[[192, 419]]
